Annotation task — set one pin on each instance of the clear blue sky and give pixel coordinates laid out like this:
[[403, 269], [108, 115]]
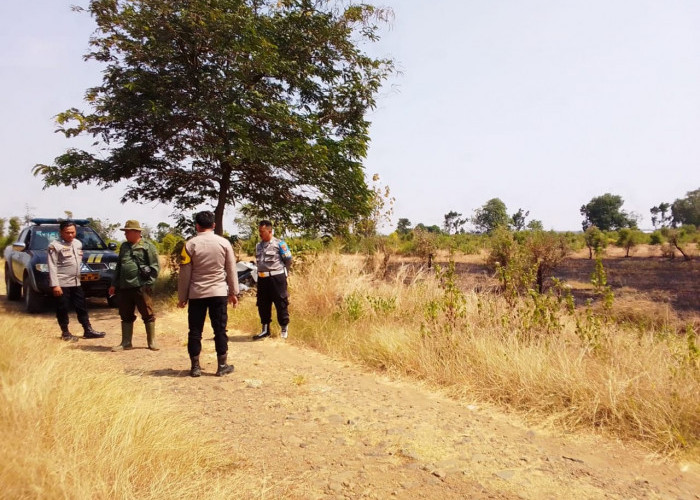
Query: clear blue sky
[[544, 104]]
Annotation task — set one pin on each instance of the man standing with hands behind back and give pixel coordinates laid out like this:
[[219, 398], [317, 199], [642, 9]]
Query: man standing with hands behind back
[[208, 281], [273, 259]]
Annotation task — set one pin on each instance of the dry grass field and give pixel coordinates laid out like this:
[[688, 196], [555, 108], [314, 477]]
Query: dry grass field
[[633, 371], [416, 421], [75, 427]]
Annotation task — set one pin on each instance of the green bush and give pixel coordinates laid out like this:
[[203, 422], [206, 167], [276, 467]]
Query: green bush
[[657, 238]]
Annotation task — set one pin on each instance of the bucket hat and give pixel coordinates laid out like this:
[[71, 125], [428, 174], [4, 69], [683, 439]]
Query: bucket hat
[[132, 225]]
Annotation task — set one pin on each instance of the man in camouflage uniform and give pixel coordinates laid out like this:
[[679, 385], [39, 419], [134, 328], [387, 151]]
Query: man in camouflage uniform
[[65, 257], [273, 258], [137, 269], [208, 281]]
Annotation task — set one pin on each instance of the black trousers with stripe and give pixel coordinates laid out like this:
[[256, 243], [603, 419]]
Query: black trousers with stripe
[[273, 290]]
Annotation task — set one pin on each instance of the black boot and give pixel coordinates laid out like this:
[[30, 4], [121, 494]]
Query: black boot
[[89, 333], [196, 370], [223, 368], [67, 335], [264, 333]]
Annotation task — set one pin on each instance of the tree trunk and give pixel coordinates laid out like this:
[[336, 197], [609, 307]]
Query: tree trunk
[[219, 217], [540, 278], [224, 189], [685, 256]]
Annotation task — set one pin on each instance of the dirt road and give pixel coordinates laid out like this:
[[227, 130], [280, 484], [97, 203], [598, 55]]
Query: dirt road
[[312, 427]]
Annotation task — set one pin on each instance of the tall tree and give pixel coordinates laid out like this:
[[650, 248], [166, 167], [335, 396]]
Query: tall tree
[[453, 222], [687, 210], [491, 215], [660, 215], [230, 102], [517, 220], [162, 229], [104, 228], [606, 213], [403, 227], [381, 208]]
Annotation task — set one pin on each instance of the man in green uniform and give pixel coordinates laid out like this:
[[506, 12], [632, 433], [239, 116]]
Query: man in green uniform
[[137, 269]]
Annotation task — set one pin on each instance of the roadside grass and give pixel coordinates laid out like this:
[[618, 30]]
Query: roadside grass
[[637, 377], [73, 430]]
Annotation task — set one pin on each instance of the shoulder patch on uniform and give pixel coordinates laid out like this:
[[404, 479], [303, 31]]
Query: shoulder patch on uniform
[[284, 250], [184, 256], [51, 249]]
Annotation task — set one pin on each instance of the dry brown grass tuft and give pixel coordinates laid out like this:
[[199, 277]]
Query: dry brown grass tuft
[[72, 431], [645, 313]]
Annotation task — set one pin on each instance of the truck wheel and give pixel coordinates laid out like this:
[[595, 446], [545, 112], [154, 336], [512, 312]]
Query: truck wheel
[[33, 301], [14, 290]]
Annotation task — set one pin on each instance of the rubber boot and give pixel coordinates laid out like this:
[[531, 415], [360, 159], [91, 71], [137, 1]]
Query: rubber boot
[[223, 368], [151, 336], [67, 335], [127, 336], [196, 370], [90, 333], [264, 333]]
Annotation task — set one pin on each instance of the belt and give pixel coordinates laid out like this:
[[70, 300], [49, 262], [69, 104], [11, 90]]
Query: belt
[[271, 273]]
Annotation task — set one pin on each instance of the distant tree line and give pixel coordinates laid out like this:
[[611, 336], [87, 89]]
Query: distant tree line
[[603, 212]]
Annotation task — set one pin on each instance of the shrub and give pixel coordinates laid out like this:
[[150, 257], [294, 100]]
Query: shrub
[[656, 238]]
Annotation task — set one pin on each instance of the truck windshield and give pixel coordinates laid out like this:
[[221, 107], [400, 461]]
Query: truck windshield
[[44, 235], [90, 239]]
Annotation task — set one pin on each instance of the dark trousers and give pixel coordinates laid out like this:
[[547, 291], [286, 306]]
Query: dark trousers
[[273, 290], [218, 315], [130, 299], [72, 295]]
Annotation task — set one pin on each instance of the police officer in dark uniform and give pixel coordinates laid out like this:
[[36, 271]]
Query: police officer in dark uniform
[[273, 259], [65, 257]]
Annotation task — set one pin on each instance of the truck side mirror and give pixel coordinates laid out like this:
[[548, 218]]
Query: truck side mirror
[[112, 246], [18, 246]]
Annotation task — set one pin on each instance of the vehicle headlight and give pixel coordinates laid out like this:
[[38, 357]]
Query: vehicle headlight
[[112, 265], [42, 268]]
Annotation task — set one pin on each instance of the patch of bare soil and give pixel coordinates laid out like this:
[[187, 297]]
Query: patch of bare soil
[[646, 276], [311, 427]]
